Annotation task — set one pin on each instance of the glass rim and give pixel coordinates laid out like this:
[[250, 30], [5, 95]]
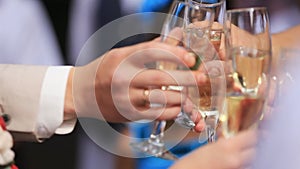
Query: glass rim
[[209, 5], [248, 9], [201, 4]]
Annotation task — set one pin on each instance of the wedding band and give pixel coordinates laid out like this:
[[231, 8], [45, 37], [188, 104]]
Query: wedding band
[[146, 93]]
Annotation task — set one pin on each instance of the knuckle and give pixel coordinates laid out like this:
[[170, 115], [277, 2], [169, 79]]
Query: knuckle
[[149, 45], [159, 78], [116, 53]]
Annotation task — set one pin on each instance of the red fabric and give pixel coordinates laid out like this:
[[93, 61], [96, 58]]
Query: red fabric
[[14, 167], [3, 126], [2, 123]]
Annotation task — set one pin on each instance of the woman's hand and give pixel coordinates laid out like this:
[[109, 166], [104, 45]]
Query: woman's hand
[[233, 153]]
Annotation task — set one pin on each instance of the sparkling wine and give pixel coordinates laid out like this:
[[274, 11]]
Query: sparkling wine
[[242, 113], [249, 66], [215, 38], [207, 98], [201, 96]]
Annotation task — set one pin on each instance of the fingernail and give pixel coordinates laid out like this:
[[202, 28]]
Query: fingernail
[[190, 58]]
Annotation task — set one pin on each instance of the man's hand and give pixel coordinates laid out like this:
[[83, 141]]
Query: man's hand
[[118, 87]]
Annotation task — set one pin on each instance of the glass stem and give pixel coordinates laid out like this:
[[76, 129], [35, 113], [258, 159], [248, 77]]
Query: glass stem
[[158, 130], [211, 133]]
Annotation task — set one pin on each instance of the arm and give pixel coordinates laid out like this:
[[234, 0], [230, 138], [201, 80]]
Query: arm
[[33, 100], [109, 88], [288, 39]]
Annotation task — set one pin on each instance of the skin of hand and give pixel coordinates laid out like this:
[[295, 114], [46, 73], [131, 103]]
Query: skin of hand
[[236, 152], [288, 39], [114, 84]]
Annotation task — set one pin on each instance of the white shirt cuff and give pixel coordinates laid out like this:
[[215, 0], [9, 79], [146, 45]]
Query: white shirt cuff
[[51, 109]]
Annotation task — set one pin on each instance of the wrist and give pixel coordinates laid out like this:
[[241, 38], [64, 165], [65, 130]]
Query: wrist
[[69, 108]]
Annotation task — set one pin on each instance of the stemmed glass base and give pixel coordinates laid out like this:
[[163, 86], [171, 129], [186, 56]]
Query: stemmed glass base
[[184, 120], [155, 145]]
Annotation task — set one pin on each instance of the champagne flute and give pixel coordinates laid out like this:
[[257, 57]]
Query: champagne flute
[[187, 25], [210, 103], [178, 19], [201, 34], [248, 48], [179, 30]]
